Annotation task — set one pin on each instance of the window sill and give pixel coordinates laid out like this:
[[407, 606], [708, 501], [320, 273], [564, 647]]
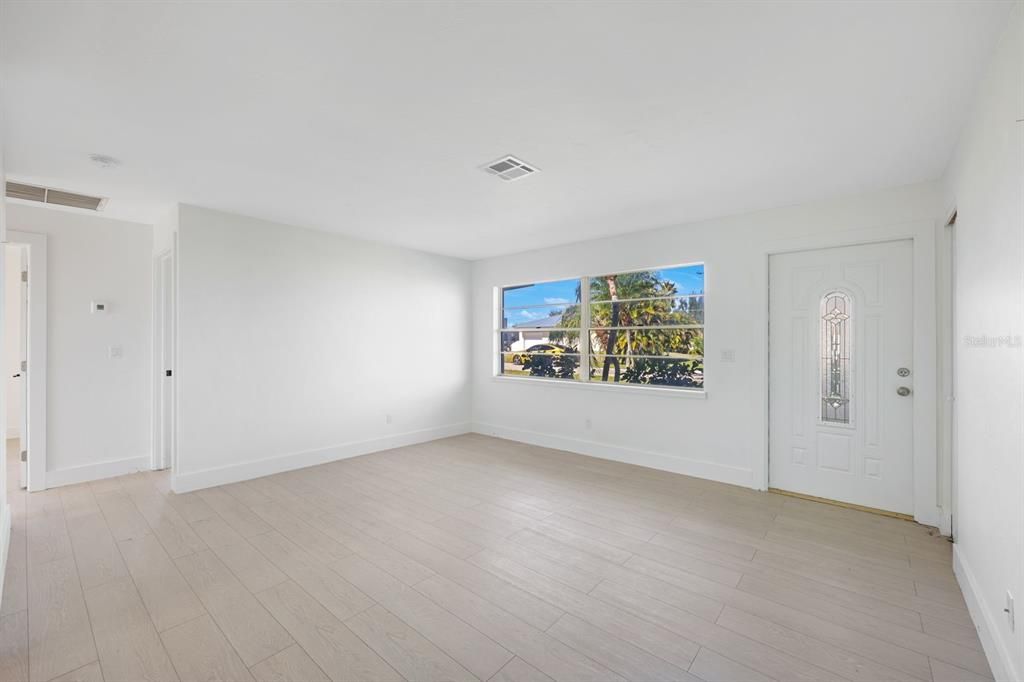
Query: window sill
[[692, 393]]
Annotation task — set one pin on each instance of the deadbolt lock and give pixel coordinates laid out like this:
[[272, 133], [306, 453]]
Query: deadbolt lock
[[903, 372]]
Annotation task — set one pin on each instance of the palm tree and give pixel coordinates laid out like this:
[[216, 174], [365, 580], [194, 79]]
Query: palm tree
[[634, 300], [608, 312]]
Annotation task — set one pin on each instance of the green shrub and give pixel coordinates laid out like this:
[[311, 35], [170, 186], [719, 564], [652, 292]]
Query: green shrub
[[558, 365], [660, 372]]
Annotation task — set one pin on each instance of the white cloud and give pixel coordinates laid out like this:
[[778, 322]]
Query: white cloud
[[530, 315], [556, 301]]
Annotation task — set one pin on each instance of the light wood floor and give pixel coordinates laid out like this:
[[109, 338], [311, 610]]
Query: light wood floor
[[473, 558]]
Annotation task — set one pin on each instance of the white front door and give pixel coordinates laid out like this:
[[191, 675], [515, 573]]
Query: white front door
[[841, 374]]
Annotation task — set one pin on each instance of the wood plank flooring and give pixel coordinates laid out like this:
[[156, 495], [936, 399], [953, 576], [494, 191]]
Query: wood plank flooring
[[472, 558]]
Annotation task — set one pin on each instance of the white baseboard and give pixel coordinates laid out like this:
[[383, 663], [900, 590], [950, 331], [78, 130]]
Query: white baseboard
[[998, 655], [94, 472], [654, 460], [5, 545], [183, 483]]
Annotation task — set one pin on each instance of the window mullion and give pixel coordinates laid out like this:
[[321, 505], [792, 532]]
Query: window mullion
[[584, 342]]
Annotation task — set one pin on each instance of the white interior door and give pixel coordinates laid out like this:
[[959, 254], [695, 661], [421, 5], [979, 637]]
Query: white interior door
[[23, 433], [166, 265], [841, 374]]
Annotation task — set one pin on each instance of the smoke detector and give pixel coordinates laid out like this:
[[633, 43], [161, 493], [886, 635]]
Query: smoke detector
[[509, 168]]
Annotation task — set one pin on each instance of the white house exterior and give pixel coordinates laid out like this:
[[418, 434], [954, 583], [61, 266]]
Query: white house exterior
[[533, 332]]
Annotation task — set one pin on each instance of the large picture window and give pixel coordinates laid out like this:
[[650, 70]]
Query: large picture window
[[643, 327]]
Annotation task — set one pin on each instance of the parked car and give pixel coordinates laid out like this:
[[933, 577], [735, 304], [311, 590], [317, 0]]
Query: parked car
[[553, 348]]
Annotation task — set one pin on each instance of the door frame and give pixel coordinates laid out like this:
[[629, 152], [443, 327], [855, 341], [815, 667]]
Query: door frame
[[35, 403], [925, 460], [165, 259], [946, 286]]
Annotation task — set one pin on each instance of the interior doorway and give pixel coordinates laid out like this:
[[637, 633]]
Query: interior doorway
[[16, 356], [24, 356], [164, 340]]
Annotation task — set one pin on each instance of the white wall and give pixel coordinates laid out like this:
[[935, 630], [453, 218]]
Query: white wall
[[98, 408], [294, 345], [12, 339], [984, 183], [722, 437], [5, 509], [164, 229]]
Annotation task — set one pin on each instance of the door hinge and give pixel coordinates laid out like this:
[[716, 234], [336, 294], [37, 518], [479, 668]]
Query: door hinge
[[24, 365], [24, 455], [24, 275]]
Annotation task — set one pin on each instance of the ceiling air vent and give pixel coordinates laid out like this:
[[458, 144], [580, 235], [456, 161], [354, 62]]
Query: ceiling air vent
[[48, 195], [510, 168]]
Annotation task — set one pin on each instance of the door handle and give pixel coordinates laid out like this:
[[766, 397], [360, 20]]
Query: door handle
[[903, 391]]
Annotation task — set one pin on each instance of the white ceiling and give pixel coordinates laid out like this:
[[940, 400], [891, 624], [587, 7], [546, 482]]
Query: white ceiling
[[371, 119]]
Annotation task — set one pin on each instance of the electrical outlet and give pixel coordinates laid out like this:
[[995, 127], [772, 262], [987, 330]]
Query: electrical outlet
[[1009, 610], [115, 352]]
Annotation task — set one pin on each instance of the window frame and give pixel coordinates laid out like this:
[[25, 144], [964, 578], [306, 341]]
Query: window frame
[[584, 331]]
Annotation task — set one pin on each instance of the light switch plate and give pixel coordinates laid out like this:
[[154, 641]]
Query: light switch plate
[[115, 352]]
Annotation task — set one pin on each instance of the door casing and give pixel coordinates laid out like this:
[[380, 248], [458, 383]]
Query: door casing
[[946, 287]]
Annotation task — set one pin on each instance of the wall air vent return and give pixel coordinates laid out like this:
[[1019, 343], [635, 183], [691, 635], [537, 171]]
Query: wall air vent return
[[47, 195], [510, 168], [16, 190], [55, 196]]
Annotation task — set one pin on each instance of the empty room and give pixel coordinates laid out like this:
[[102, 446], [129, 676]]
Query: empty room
[[512, 341]]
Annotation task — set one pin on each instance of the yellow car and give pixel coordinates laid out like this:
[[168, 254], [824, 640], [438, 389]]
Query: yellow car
[[552, 348]]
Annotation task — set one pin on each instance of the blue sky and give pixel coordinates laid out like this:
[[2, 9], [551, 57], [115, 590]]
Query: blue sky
[[688, 279], [548, 293]]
